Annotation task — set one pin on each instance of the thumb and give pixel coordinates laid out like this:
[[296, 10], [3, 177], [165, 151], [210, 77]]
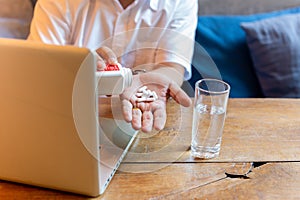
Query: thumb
[[179, 95], [107, 55]]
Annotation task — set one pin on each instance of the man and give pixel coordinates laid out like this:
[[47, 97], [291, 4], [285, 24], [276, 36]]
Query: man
[[149, 35]]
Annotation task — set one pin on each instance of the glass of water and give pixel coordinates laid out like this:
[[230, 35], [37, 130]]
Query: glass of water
[[210, 104]]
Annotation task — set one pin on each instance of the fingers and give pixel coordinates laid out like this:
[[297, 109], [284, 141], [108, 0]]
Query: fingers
[[144, 117], [133, 115], [100, 63], [107, 54], [147, 121], [127, 110], [160, 118], [179, 95], [136, 118]]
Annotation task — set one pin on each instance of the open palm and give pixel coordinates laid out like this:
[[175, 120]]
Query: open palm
[[147, 115]]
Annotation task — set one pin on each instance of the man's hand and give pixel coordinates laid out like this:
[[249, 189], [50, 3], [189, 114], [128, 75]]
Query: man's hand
[[105, 56], [149, 115], [164, 80]]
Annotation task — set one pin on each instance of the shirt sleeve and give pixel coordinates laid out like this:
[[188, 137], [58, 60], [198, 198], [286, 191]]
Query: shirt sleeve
[[51, 22], [177, 43]]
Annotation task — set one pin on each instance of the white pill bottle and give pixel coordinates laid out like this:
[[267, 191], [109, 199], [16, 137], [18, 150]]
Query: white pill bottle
[[113, 80]]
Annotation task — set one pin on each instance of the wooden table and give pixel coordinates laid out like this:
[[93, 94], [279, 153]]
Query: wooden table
[[259, 159]]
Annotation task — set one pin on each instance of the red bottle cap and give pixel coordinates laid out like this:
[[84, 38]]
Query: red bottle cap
[[112, 67]]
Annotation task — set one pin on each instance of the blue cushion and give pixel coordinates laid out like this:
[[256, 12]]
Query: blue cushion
[[274, 44], [225, 41]]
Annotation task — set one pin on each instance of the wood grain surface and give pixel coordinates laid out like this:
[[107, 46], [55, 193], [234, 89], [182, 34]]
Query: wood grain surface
[[257, 130], [259, 158]]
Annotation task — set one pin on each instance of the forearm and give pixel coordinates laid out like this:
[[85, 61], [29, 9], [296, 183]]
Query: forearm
[[172, 71]]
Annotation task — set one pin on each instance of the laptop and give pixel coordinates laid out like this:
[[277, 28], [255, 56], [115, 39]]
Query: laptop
[[51, 134]]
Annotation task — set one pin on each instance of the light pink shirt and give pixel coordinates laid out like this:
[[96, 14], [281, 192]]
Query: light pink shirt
[[147, 32]]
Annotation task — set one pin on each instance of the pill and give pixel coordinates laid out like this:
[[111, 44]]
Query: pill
[[139, 94], [145, 95], [142, 89], [145, 99], [155, 95]]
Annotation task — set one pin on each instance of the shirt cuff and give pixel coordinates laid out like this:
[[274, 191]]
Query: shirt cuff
[[172, 57]]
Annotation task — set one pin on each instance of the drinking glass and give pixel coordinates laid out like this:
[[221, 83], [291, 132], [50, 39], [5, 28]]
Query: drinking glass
[[210, 104]]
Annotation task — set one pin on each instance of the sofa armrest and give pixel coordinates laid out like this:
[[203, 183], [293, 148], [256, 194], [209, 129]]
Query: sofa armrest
[[15, 18]]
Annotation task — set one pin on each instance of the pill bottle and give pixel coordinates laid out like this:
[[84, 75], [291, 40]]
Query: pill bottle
[[113, 80]]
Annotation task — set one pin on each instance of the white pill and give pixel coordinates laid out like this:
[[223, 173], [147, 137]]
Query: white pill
[[150, 99], [142, 89], [155, 95], [150, 93], [145, 95], [145, 99], [141, 99], [139, 94]]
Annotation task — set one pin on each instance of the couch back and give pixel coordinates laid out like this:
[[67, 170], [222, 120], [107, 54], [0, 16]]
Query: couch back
[[243, 7], [15, 18], [33, 2]]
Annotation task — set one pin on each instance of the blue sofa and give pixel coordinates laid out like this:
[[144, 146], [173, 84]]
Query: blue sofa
[[225, 50]]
